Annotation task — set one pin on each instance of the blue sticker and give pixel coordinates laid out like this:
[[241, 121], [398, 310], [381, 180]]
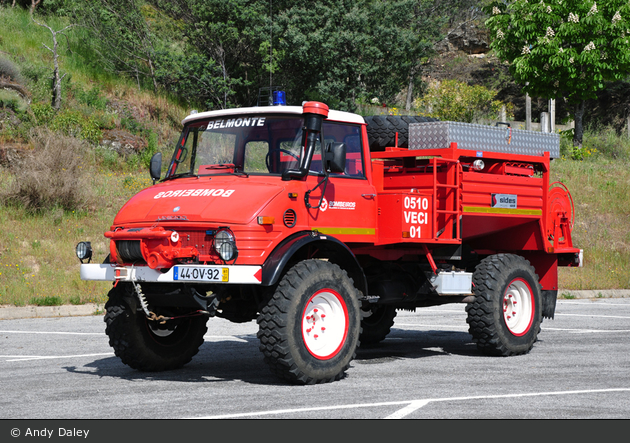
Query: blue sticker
[[479, 153], [175, 273]]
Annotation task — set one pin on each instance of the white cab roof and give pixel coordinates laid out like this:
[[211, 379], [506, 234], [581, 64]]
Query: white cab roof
[[340, 116]]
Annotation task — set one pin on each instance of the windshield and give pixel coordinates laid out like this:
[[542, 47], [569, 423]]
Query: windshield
[[267, 144], [261, 144]]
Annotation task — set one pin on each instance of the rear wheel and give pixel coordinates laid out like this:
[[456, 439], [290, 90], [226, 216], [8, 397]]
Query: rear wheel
[[309, 330], [147, 345], [377, 324], [506, 315]]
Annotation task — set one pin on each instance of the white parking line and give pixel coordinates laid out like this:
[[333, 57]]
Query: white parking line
[[412, 325], [591, 315], [585, 331], [431, 311], [211, 338], [592, 303], [102, 334], [544, 328], [47, 357], [411, 405], [52, 332]]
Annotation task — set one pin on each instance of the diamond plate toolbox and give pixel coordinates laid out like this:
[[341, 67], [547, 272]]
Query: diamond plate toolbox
[[503, 139]]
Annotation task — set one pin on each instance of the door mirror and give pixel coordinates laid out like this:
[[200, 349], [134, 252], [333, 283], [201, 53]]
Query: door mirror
[[155, 167], [335, 157]]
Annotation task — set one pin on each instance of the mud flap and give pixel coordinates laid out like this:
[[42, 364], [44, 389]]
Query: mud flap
[[549, 303]]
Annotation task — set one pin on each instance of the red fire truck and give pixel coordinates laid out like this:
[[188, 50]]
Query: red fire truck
[[320, 224]]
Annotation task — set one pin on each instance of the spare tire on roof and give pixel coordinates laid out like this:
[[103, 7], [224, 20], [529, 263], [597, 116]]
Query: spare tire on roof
[[382, 129]]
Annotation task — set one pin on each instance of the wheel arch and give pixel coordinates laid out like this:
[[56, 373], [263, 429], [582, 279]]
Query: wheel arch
[[306, 245]]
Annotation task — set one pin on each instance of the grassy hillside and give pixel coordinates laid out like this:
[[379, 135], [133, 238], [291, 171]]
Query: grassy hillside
[[600, 187], [37, 260]]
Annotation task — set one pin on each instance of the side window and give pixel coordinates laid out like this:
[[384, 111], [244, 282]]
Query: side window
[[350, 135]]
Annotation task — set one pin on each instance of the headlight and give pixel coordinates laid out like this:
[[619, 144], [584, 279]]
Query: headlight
[[84, 251], [225, 245]]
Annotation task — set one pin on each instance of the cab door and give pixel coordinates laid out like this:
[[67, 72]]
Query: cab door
[[348, 207]]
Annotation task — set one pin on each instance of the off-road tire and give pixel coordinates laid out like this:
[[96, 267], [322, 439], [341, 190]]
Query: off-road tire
[[375, 327], [382, 129], [139, 346], [499, 325], [288, 324]]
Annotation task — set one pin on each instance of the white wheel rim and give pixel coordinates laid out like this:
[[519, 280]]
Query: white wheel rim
[[160, 332], [325, 324], [518, 307]]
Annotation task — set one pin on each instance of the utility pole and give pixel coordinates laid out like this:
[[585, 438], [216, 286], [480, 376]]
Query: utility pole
[[528, 112]]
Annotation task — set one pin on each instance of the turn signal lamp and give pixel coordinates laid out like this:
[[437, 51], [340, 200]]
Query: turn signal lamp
[[406, 234], [266, 220]]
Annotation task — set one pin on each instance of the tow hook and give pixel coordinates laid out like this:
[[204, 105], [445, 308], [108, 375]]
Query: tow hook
[[208, 306]]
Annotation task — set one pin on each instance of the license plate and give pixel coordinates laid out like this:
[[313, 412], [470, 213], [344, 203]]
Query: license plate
[[201, 273]]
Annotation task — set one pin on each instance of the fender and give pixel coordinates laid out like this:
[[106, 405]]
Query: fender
[[325, 246]]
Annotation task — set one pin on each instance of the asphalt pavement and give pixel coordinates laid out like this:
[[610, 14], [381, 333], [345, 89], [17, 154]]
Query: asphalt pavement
[[17, 312]]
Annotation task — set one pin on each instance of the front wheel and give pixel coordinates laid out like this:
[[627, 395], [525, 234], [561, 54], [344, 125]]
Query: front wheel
[[309, 330], [147, 345], [506, 315]]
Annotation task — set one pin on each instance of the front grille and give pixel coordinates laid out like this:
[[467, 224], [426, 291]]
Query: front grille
[[201, 240]]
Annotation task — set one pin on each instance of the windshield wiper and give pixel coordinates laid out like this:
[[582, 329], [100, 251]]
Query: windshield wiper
[[183, 174], [230, 168], [221, 166]]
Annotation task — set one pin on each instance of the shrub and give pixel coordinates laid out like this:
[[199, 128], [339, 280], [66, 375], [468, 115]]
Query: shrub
[[75, 124], [11, 100], [451, 100], [46, 300], [603, 140], [607, 141], [43, 113], [10, 71], [92, 98], [53, 175]]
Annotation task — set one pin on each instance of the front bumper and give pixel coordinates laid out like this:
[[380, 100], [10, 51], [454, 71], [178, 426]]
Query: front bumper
[[228, 274]]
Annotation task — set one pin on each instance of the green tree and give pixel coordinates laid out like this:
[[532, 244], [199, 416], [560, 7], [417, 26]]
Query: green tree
[[405, 32], [563, 48], [340, 51], [225, 38], [336, 51], [328, 51], [123, 35]]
